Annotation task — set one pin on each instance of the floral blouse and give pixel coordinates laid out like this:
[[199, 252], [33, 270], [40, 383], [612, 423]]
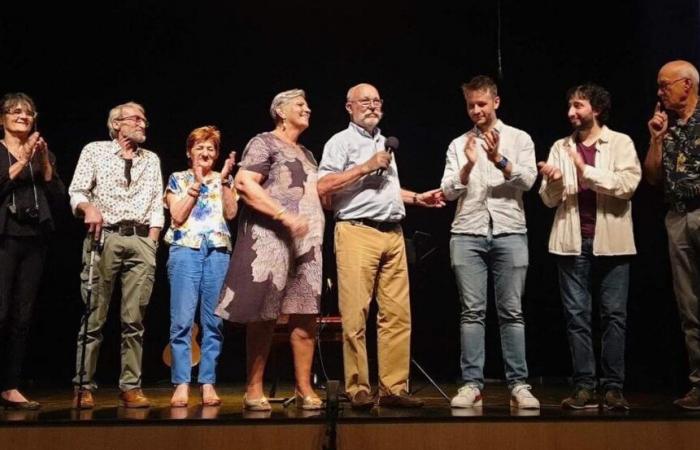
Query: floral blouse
[[206, 222]]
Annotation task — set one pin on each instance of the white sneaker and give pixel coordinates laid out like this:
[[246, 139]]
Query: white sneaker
[[521, 397], [467, 397]]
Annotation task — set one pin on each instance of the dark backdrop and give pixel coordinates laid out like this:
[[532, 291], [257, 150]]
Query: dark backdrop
[[222, 64]]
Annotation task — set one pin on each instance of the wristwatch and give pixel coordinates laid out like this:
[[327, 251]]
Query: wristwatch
[[228, 181], [502, 164]]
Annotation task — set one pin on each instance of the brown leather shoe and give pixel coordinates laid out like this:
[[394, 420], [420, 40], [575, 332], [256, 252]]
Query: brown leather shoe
[[134, 398], [402, 400], [361, 400], [84, 396]]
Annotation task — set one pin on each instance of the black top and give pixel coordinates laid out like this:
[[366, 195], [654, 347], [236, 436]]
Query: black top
[[47, 193]]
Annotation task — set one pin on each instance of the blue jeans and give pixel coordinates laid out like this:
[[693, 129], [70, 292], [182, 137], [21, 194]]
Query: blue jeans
[[196, 277], [575, 280], [506, 256]]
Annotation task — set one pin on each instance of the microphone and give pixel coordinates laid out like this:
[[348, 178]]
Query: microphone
[[391, 144]]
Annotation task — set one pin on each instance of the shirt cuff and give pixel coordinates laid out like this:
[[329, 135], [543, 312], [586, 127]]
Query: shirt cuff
[[75, 200], [157, 220]]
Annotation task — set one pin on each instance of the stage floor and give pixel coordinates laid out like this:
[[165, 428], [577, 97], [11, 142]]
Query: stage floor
[[56, 408]]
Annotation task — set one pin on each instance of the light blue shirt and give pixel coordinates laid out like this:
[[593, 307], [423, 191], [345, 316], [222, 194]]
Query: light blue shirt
[[375, 197]]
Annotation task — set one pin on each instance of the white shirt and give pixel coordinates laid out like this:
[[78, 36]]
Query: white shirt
[[488, 195]]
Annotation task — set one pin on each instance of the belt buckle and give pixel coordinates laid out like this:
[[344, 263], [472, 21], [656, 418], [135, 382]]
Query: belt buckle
[[127, 231]]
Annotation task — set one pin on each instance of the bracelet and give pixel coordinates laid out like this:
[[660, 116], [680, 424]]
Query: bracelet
[[228, 181], [279, 213]]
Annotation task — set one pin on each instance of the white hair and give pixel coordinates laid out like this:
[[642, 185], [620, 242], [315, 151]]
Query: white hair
[[283, 98], [116, 112], [690, 72]]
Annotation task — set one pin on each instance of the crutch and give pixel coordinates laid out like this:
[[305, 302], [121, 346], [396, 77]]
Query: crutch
[[94, 244]]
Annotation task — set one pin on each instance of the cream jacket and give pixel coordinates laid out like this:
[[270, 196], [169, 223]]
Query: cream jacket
[[614, 178]]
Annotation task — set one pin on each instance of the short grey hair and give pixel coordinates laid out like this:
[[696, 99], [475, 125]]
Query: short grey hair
[[116, 112], [690, 72], [283, 98]]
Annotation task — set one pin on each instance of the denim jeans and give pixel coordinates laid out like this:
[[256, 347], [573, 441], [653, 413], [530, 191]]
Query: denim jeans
[[506, 256], [196, 277], [575, 282]]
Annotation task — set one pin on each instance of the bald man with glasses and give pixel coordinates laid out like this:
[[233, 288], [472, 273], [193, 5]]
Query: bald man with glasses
[[673, 161]]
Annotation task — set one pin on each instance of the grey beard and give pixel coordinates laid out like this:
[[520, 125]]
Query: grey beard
[[137, 137]]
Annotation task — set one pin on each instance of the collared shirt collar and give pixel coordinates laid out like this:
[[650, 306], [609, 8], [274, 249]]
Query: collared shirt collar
[[694, 118], [499, 127], [604, 137], [118, 148], [362, 131]]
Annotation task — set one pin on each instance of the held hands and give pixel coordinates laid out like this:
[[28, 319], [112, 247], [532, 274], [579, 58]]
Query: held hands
[[430, 199], [549, 172], [658, 125], [379, 160]]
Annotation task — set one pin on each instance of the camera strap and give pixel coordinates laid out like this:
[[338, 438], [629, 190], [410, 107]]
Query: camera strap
[[31, 174]]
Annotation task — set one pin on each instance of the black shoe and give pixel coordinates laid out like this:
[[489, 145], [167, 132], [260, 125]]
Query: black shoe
[[362, 400], [615, 400], [402, 400], [582, 398], [690, 401], [29, 405]]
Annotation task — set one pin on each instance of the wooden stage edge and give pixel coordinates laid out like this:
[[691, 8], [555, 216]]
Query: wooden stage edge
[[517, 435]]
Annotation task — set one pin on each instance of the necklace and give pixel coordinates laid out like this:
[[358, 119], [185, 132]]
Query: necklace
[[10, 150]]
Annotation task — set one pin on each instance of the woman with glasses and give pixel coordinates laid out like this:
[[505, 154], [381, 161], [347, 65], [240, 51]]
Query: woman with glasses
[[276, 265], [200, 201], [28, 185]]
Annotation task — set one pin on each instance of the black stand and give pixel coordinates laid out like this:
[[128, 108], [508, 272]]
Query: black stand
[[417, 250], [427, 377], [332, 408]]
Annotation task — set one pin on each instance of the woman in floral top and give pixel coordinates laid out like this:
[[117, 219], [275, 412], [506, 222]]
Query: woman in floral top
[[200, 201]]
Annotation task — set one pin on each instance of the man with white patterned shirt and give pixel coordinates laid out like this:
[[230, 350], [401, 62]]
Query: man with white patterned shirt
[[117, 187], [487, 170]]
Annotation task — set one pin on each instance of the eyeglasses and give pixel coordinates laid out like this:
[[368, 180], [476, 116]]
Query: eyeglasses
[[367, 102], [135, 119], [665, 85], [20, 111]]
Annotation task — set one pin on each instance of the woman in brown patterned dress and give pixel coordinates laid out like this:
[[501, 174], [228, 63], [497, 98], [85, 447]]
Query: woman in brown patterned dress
[[276, 263]]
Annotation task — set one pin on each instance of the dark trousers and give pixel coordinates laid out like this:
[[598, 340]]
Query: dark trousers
[[612, 285], [21, 265]]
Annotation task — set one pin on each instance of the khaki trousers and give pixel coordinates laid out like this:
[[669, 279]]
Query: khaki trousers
[[684, 254], [373, 263], [132, 259]]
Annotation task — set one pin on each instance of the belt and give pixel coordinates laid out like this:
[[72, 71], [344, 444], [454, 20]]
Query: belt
[[381, 226], [128, 229]]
